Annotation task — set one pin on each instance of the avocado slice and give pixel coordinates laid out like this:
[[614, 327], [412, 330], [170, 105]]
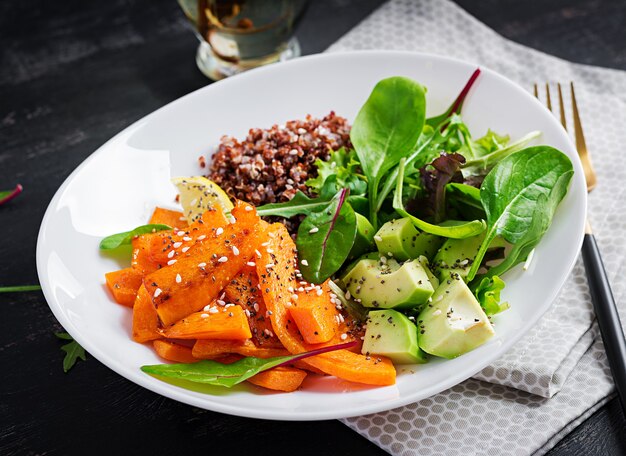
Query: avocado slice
[[403, 241], [434, 281], [392, 334], [454, 323], [385, 283], [364, 240], [455, 257]]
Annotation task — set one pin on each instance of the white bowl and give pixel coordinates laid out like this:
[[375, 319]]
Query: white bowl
[[117, 187]]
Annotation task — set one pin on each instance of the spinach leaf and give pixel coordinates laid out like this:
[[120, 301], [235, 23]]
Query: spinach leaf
[[117, 240], [325, 239], [451, 229], [488, 295], [19, 288], [229, 375], [466, 199], [73, 351], [481, 165], [386, 129], [455, 107], [520, 196]]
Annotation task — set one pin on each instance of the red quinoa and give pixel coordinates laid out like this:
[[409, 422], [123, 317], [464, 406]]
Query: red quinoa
[[270, 165]]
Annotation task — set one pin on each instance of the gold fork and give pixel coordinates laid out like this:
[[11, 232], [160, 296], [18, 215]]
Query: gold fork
[[599, 287]]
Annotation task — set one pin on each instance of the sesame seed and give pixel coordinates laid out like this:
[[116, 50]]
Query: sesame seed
[[294, 297], [201, 265], [269, 265], [213, 310], [293, 152], [171, 254], [251, 264], [235, 250], [319, 292], [157, 292], [221, 302], [207, 307], [181, 233], [179, 279], [265, 244], [300, 289], [219, 231], [256, 307], [248, 208], [344, 336], [184, 249], [171, 262], [437, 312], [378, 238], [229, 305], [304, 263], [258, 254], [186, 239], [247, 312], [204, 315], [314, 230], [182, 219], [200, 238], [177, 244], [232, 219], [348, 296], [193, 202], [222, 259]]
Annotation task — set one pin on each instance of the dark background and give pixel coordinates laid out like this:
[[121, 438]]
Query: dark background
[[72, 74]]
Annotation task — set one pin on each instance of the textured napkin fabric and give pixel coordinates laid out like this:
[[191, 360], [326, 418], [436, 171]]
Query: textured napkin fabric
[[558, 374]]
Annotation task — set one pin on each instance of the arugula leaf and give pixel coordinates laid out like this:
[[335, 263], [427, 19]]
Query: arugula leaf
[[451, 229], [488, 295], [116, 240], [481, 165], [387, 128], [20, 288], [73, 351], [345, 166], [325, 239], [520, 196], [229, 375], [491, 142]]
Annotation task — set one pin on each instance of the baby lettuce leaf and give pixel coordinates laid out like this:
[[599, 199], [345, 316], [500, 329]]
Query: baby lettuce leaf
[[386, 129], [520, 196], [325, 239], [480, 166], [488, 295], [299, 204], [229, 375], [435, 177], [345, 166], [116, 240], [451, 229]]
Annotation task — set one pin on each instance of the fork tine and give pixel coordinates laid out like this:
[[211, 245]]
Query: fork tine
[[548, 100], [581, 146], [535, 90], [561, 107]]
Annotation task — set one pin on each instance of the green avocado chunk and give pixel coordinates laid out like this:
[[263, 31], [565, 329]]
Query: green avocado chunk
[[385, 283], [392, 334], [455, 257], [454, 323], [364, 240], [403, 241]]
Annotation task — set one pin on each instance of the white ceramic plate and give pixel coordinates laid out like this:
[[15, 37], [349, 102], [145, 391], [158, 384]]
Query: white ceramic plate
[[117, 187]]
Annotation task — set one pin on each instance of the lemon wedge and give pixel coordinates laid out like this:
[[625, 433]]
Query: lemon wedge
[[197, 194]]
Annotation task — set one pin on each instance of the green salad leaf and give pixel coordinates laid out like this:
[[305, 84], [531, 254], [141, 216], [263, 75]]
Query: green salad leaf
[[20, 288], [451, 229], [73, 351], [229, 375], [520, 196], [487, 293], [466, 199], [343, 164], [117, 240], [387, 128], [325, 239], [299, 204]]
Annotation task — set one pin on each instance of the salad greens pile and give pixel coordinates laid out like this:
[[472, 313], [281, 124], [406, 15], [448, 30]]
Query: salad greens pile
[[433, 172]]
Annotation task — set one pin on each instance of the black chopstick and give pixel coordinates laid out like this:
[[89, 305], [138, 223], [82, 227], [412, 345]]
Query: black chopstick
[[606, 313]]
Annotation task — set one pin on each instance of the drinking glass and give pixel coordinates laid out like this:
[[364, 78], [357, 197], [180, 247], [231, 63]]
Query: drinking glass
[[236, 35]]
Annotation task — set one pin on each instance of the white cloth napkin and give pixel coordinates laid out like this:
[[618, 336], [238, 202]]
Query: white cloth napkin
[[558, 374]]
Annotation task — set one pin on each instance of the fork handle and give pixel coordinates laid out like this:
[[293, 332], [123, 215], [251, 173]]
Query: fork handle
[[606, 313]]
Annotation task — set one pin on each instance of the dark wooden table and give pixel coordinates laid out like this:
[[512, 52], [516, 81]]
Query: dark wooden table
[[74, 73]]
